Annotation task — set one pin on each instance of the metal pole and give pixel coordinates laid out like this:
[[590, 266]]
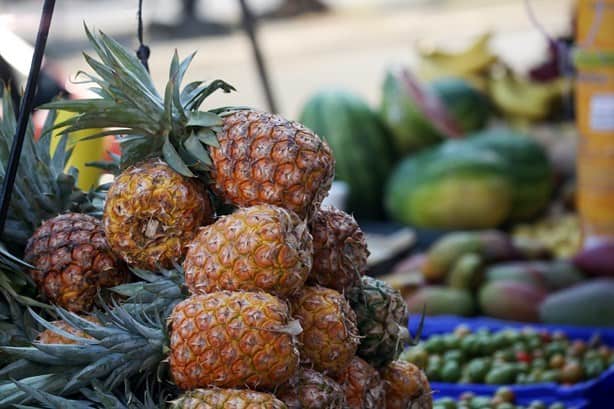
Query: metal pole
[[249, 24], [25, 110]]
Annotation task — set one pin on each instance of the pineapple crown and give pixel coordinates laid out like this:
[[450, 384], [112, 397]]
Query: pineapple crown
[[151, 125], [43, 189], [121, 346]]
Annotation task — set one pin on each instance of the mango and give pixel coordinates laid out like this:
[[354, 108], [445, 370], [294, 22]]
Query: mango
[[466, 272], [491, 245], [597, 260], [440, 300], [552, 275], [510, 300], [590, 304]]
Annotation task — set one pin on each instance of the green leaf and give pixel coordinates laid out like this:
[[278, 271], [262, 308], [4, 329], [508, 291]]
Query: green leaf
[[196, 149], [204, 119], [174, 160], [208, 137]]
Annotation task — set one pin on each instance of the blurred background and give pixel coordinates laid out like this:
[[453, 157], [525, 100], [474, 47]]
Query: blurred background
[[345, 43]]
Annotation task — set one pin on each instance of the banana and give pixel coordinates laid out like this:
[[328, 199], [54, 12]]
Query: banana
[[521, 99], [472, 61]]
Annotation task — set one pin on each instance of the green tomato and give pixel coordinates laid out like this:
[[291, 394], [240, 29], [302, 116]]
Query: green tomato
[[451, 371], [502, 375], [434, 344], [446, 403]]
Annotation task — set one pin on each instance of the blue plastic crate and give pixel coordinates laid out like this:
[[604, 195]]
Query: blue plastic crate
[[522, 397], [597, 392]]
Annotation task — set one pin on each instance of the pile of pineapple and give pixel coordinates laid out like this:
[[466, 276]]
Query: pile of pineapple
[[213, 278]]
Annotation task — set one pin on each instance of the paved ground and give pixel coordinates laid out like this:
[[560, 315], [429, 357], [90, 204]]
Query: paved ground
[[349, 48]]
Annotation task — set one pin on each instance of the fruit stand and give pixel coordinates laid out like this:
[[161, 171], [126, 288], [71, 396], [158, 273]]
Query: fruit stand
[[212, 271]]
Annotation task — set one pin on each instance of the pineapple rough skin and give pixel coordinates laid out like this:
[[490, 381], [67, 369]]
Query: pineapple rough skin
[[330, 337], [264, 158], [73, 261], [363, 386], [257, 248], [406, 386], [152, 212], [312, 390], [227, 399], [232, 339], [339, 250]]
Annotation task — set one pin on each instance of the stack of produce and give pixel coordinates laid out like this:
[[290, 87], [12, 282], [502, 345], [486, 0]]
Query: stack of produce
[[510, 356], [265, 307], [504, 398]]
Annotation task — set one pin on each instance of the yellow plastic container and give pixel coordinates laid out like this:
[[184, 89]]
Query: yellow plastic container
[[595, 165], [595, 24], [84, 152]]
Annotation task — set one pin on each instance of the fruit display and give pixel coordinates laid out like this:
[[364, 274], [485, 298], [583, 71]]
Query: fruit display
[[504, 398], [414, 112], [362, 145], [559, 233], [159, 299], [509, 356]]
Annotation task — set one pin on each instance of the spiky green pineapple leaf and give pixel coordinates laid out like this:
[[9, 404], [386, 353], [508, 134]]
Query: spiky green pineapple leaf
[[156, 125]]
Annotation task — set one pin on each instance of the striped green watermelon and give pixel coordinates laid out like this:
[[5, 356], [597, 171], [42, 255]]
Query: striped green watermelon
[[361, 144]]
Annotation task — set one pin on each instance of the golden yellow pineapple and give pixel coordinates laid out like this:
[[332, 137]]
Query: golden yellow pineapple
[[51, 337], [312, 390], [362, 386], [227, 399], [406, 386], [264, 158], [261, 247], [73, 261], [330, 338], [340, 250], [152, 212], [232, 339]]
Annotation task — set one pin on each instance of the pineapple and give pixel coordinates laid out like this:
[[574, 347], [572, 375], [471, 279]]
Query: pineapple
[[312, 390], [362, 386], [247, 157], [329, 338], [152, 212], [227, 399], [222, 339], [232, 339], [53, 336], [382, 318], [406, 386], [340, 250], [261, 247], [72, 261]]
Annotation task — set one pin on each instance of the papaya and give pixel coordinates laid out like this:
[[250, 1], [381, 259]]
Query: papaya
[[452, 186], [528, 166], [552, 275], [510, 300], [440, 300], [587, 304]]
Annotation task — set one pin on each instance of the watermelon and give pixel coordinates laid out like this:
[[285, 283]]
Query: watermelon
[[469, 107], [528, 166], [414, 113], [361, 144], [451, 186]]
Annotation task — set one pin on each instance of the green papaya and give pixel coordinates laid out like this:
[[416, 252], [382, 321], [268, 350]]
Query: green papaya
[[469, 107], [414, 112], [590, 304], [510, 300], [452, 186], [528, 166], [361, 143], [439, 300]]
